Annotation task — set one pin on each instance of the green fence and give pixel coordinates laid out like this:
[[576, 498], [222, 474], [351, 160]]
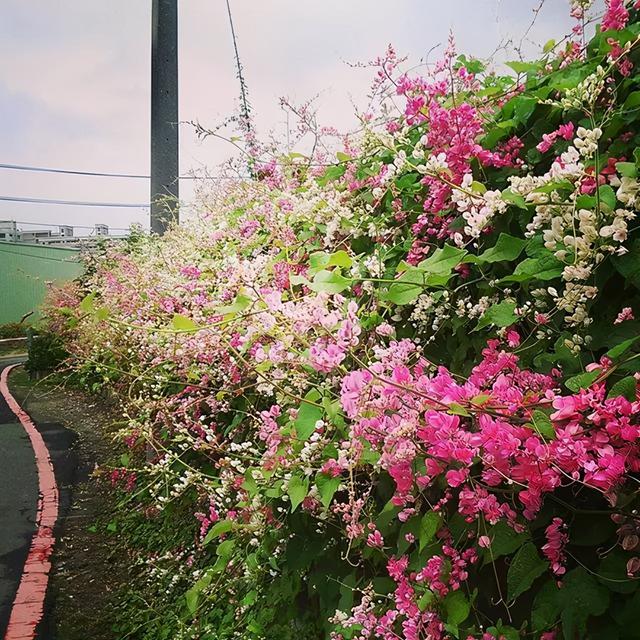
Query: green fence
[[26, 273]]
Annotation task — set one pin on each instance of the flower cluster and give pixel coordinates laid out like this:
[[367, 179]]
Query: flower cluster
[[389, 396]]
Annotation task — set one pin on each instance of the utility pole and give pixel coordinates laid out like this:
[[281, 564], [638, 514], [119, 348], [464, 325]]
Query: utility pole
[[164, 114]]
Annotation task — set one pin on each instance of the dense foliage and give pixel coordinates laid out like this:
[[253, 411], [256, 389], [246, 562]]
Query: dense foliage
[[12, 330], [394, 396]]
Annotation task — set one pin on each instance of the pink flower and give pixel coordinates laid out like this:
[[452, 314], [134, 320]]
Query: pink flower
[[554, 548], [326, 357], [484, 542], [566, 131], [624, 315], [385, 329], [541, 318], [403, 476], [547, 142], [456, 477], [513, 338], [191, 272], [616, 16], [375, 540]]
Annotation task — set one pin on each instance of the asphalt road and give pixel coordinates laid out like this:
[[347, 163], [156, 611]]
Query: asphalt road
[[19, 498]]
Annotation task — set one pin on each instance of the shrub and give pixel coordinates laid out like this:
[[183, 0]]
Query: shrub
[[12, 330], [46, 352], [395, 396]]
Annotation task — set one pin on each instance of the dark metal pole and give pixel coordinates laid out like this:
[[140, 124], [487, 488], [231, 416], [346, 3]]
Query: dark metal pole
[[164, 114]]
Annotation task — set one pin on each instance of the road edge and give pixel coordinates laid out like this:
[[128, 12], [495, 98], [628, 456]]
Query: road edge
[[28, 605]]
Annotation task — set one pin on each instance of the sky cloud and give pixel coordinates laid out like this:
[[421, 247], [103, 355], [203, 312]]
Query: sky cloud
[[74, 79]]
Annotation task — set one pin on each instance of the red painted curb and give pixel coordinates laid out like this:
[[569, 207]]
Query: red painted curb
[[28, 605]]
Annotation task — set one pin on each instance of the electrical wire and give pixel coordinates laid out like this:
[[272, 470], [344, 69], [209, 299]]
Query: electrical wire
[[121, 205], [100, 174], [19, 167]]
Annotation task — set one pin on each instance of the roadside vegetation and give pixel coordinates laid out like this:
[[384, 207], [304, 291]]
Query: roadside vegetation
[[391, 392]]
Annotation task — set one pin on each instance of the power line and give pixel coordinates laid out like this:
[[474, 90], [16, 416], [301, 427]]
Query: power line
[[101, 174], [19, 167], [121, 205]]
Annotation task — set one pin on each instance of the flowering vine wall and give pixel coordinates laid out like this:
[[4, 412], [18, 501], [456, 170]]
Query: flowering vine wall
[[394, 395]]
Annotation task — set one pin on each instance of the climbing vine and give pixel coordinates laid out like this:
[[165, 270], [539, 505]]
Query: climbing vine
[[394, 394]]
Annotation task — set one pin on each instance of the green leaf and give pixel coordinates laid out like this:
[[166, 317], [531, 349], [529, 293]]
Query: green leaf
[[331, 174], [632, 101], [582, 380], [327, 486], [386, 517], [425, 600], [525, 567], [297, 490], [218, 529], [308, 414], [429, 526], [87, 304], [239, 304], [342, 157], [625, 387], [500, 315], [330, 281], [192, 596], [581, 597], [442, 261], [607, 196], [522, 67], [406, 288], [340, 259], [318, 260], [504, 541], [515, 199], [628, 265], [182, 323], [558, 185], [524, 106], [411, 526], [225, 549], [620, 349], [504, 633], [456, 409], [408, 180], [542, 424], [457, 607], [506, 248], [347, 588], [546, 607], [102, 313], [612, 573], [584, 201], [545, 266], [627, 169]]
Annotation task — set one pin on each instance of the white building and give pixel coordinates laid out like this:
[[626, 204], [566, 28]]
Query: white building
[[9, 232]]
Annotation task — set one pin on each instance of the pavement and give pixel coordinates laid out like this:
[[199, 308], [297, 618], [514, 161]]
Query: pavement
[[19, 493]]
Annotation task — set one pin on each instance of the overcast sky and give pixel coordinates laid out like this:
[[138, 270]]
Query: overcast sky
[[75, 79]]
